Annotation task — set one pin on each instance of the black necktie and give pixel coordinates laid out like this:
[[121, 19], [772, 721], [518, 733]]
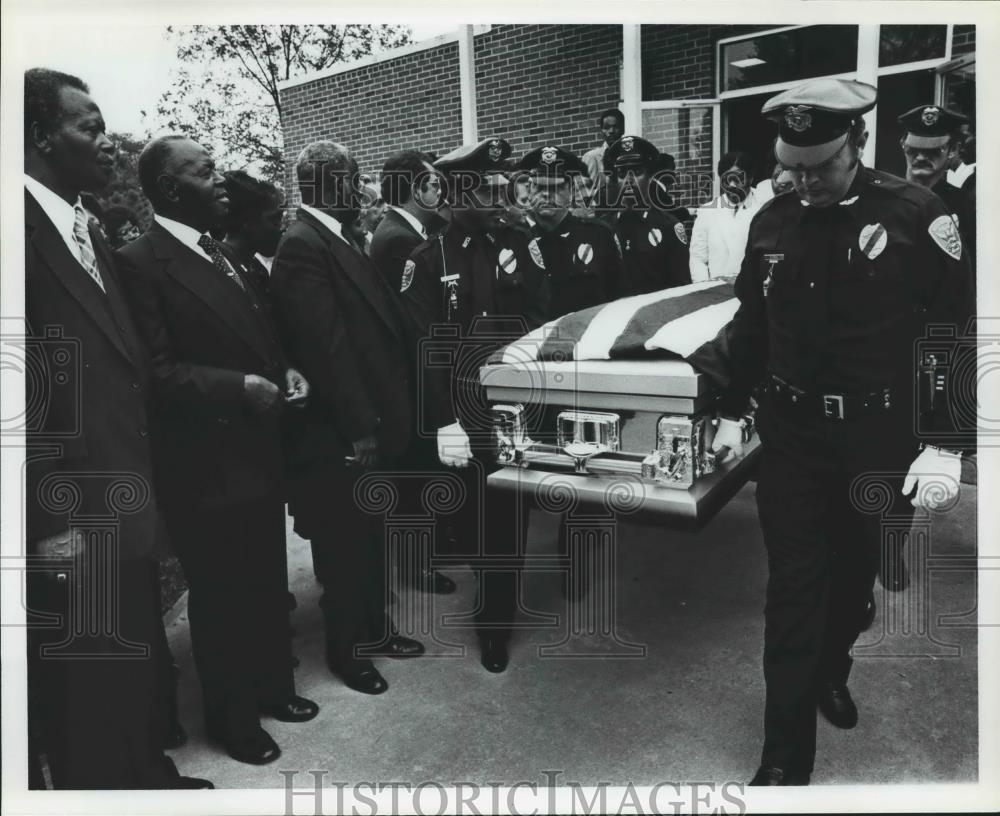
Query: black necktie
[[211, 247]]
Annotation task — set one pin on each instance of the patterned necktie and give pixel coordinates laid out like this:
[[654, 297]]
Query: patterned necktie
[[211, 247], [81, 236]]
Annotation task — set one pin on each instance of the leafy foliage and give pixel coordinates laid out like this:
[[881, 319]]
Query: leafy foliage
[[226, 93]]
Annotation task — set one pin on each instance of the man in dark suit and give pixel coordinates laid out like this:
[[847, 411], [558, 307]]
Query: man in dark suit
[[92, 680], [220, 383], [343, 330], [411, 188]]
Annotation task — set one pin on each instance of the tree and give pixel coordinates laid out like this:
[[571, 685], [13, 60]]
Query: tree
[[124, 190], [226, 92]]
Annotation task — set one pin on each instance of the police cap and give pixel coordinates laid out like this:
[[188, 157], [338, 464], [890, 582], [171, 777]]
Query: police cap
[[630, 152], [552, 163], [486, 159], [931, 125], [814, 119]]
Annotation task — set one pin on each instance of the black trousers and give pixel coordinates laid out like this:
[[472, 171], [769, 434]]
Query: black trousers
[[348, 544], [824, 490], [94, 702], [236, 566]]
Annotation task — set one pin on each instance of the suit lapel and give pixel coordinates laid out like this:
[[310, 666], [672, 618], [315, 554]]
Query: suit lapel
[[207, 283], [358, 269], [48, 243], [404, 225]]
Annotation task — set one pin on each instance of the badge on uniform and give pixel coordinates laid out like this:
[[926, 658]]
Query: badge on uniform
[[773, 259], [945, 234], [872, 240], [508, 263], [680, 233], [408, 270], [585, 253], [536, 253], [655, 236]]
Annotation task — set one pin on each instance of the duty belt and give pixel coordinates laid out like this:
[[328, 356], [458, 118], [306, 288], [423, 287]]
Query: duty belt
[[832, 405]]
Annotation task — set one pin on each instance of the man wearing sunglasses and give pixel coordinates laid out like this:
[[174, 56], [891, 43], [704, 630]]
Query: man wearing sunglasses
[[838, 283], [930, 145]]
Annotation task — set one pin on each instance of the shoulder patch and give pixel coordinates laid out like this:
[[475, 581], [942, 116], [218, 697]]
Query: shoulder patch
[[680, 233], [408, 270], [536, 253], [945, 234]]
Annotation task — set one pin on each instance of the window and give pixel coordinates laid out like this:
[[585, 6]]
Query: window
[[783, 56], [911, 43]]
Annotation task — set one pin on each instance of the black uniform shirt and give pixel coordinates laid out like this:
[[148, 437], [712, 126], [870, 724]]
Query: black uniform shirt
[[834, 299], [475, 286], [579, 266], [655, 251]]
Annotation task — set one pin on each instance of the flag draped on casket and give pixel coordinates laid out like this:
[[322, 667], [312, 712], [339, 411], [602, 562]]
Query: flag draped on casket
[[686, 321]]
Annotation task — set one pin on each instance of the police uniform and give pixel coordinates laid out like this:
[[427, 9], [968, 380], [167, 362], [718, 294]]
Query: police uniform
[[653, 243], [934, 126], [578, 263], [832, 301], [476, 285]]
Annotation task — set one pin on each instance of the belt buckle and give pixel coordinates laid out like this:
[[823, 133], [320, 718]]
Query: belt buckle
[[833, 406]]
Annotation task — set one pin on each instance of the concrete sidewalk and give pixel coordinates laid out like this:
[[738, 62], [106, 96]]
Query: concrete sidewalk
[[690, 709]]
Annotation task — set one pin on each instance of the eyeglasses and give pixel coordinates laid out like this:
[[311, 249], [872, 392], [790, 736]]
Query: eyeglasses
[[930, 152]]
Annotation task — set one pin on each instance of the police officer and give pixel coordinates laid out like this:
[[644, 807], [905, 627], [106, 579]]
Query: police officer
[[930, 144], [578, 260], [476, 281], [838, 283], [653, 242]]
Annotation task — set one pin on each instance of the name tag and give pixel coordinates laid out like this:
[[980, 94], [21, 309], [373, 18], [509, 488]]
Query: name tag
[[448, 278]]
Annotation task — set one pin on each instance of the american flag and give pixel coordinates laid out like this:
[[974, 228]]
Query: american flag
[[688, 322]]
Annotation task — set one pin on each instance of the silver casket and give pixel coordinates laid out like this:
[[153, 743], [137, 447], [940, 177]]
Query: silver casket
[[629, 436]]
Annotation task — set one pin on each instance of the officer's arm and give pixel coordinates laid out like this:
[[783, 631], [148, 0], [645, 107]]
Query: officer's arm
[[421, 295], [742, 346], [678, 258], [947, 300]]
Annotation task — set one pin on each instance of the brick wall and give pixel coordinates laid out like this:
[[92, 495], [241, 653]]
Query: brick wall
[[963, 40], [411, 101], [547, 83]]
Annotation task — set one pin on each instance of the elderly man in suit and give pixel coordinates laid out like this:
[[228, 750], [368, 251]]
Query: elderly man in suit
[[93, 687], [342, 329], [220, 382]]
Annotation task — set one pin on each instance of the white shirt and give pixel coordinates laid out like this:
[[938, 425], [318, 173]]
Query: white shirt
[[410, 219], [958, 176], [719, 237], [61, 213], [327, 221], [594, 159], [188, 236]]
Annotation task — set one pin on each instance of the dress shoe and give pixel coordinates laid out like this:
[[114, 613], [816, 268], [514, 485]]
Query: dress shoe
[[294, 709], [399, 647], [191, 783], [835, 703], [430, 580], [869, 618], [364, 678], [256, 749], [768, 775], [494, 655]]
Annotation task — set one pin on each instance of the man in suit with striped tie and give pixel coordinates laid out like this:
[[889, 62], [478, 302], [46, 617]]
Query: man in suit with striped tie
[[220, 382], [91, 507]]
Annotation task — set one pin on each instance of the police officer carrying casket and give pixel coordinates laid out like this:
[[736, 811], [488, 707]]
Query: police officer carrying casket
[[653, 243], [837, 284], [473, 281], [578, 261]]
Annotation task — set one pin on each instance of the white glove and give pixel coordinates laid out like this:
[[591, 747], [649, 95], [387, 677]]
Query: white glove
[[453, 446], [728, 436], [936, 474]]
